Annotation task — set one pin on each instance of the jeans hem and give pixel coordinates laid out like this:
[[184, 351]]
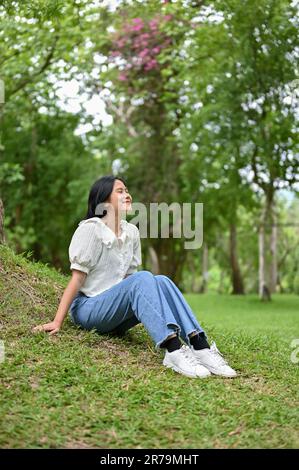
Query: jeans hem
[[177, 330], [192, 331]]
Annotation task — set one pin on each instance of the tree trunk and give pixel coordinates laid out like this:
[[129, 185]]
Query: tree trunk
[[171, 256], [154, 261], [264, 292], [205, 267], [19, 208], [281, 289], [273, 249], [56, 260], [192, 267], [221, 280], [237, 281]]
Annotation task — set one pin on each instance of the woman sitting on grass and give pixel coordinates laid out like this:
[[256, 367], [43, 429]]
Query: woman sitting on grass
[[106, 292]]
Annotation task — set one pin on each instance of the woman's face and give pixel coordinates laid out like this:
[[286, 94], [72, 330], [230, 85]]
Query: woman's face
[[120, 198]]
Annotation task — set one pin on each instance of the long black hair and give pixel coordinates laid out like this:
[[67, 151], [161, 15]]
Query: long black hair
[[99, 193]]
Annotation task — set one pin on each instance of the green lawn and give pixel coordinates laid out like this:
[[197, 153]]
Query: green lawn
[[79, 389]]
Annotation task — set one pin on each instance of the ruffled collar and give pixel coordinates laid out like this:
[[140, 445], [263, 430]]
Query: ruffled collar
[[107, 235]]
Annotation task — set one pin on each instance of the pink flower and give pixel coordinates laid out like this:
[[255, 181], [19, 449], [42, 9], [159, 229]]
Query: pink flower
[[152, 64], [137, 24], [120, 42], [126, 27], [167, 17], [153, 24], [137, 27], [143, 53], [156, 49], [122, 77], [136, 45]]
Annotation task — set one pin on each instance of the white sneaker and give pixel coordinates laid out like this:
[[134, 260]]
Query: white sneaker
[[183, 362], [213, 360]]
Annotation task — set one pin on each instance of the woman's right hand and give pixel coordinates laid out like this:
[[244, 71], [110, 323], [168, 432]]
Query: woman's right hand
[[69, 294], [52, 327]]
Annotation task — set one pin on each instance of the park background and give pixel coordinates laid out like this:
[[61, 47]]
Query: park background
[[188, 101]]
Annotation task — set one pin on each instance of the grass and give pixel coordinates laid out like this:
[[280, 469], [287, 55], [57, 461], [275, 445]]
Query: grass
[[79, 389]]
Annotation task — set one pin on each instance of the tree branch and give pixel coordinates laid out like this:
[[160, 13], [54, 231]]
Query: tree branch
[[22, 84]]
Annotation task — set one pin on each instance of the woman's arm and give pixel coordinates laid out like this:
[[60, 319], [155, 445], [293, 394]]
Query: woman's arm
[[77, 280]]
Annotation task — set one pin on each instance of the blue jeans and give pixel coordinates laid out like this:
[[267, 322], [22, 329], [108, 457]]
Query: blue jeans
[[153, 300]]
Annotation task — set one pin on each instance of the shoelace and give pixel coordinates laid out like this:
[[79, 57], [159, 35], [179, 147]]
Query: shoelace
[[217, 355], [185, 351]]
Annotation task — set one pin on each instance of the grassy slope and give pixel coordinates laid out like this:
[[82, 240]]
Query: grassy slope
[[80, 389]]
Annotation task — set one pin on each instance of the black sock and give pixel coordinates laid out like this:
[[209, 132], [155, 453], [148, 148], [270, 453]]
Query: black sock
[[172, 344], [199, 341]]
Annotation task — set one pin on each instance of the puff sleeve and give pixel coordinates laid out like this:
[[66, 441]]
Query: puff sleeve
[[137, 257], [85, 247]]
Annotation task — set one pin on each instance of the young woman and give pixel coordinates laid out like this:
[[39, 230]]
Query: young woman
[[108, 293]]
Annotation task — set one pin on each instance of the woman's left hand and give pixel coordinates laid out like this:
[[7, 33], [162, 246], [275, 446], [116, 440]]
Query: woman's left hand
[[52, 327]]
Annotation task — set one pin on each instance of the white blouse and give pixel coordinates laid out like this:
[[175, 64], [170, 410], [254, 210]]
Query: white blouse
[[105, 258]]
